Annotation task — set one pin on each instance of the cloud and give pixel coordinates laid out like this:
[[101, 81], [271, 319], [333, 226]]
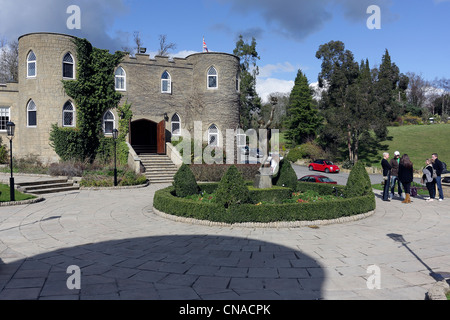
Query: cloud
[[270, 69], [19, 17], [298, 19], [264, 87]]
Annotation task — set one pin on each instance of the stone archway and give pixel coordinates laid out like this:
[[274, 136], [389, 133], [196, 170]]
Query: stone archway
[[146, 136], [143, 136]]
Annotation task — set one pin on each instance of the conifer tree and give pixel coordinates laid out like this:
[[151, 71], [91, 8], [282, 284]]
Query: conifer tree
[[303, 118]]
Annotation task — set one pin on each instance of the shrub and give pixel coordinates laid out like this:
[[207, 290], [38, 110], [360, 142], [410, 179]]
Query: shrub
[[232, 189], [358, 183], [184, 182], [30, 164], [66, 168], [295, 154], [165, 201], [312, 151], [321, 188], [131, 178], [215, 172], [286, 176], [67, 143], [3, 152], [275, 194], [105, 151], [106, 179]]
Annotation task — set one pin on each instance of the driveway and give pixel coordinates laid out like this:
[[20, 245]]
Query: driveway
[[123, 250]]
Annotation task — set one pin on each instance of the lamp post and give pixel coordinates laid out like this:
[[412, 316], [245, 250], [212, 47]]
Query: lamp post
[[10, 128], [115, 136]]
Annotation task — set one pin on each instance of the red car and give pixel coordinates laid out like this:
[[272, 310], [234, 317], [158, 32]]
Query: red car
[[317, 179], [324, 166]]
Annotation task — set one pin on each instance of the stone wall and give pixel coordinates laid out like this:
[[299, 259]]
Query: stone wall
[[46, 90], [8, 98], [190, 98]]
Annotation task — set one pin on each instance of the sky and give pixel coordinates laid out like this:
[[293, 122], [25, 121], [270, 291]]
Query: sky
[[288, 32]]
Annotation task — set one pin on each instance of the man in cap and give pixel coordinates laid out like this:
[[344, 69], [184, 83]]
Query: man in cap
[[394, 175]]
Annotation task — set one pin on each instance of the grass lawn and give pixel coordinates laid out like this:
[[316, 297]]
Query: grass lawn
[[419, 142], [4, 196]]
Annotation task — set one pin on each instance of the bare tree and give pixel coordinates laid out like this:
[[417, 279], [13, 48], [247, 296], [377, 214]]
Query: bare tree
[[165, 46], [417, 93], [9, 61]]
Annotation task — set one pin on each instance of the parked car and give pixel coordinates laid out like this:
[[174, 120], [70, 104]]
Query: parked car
[[317, 179], [324, 166]]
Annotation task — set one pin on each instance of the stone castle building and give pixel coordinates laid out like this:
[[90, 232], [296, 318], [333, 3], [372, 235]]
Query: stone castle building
[[166, 95]]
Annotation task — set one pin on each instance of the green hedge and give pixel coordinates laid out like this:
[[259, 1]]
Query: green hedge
[[165, 201], [322, 188]]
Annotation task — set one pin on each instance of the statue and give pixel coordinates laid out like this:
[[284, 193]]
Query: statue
[[264, 179]]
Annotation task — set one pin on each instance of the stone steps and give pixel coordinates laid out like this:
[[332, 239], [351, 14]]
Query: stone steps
[[158, 168], [48, 186]]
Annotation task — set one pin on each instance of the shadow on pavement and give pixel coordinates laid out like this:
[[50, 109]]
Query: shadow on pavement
[[178, 267], [436, 276]]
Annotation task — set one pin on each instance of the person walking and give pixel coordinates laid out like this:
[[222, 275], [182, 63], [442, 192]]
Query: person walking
[[406, 176], [394, 176], [439, 167], [386, 176], [429, 180]]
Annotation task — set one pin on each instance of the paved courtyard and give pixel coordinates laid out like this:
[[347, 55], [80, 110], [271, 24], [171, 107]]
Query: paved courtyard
[[125, 251]]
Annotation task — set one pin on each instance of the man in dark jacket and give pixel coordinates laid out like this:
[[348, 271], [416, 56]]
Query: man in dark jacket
[[386, 176], [394, 175], [439, 167]]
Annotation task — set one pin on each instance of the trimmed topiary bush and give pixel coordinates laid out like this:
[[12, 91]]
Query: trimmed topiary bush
[[286, 176], [232, 189], [184, 182], [358, 183]]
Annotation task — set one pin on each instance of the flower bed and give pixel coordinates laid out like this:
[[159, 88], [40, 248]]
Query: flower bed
[[260, 210]]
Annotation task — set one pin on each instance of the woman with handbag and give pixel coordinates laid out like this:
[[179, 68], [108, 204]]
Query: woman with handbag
[[406, 176]]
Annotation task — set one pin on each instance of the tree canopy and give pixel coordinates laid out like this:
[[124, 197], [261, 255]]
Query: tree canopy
[[249, 99]]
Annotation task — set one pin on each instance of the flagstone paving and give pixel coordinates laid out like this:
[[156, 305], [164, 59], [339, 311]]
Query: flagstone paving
[[125, 251]]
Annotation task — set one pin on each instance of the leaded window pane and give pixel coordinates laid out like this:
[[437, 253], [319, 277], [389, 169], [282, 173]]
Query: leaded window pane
[[32, 118], [175, 118], [109, 116], [109, 127], [32, 69], [4, 118], [31, 106], [213, 140], [212, 82], [68, 70], [212, 71], [68, 118], [165, 76], [120, 83], [31, 56], [176, 128], [68, 58], [165, 86]]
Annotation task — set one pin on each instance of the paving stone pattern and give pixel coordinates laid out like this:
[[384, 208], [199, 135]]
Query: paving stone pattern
[[125, 251]]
